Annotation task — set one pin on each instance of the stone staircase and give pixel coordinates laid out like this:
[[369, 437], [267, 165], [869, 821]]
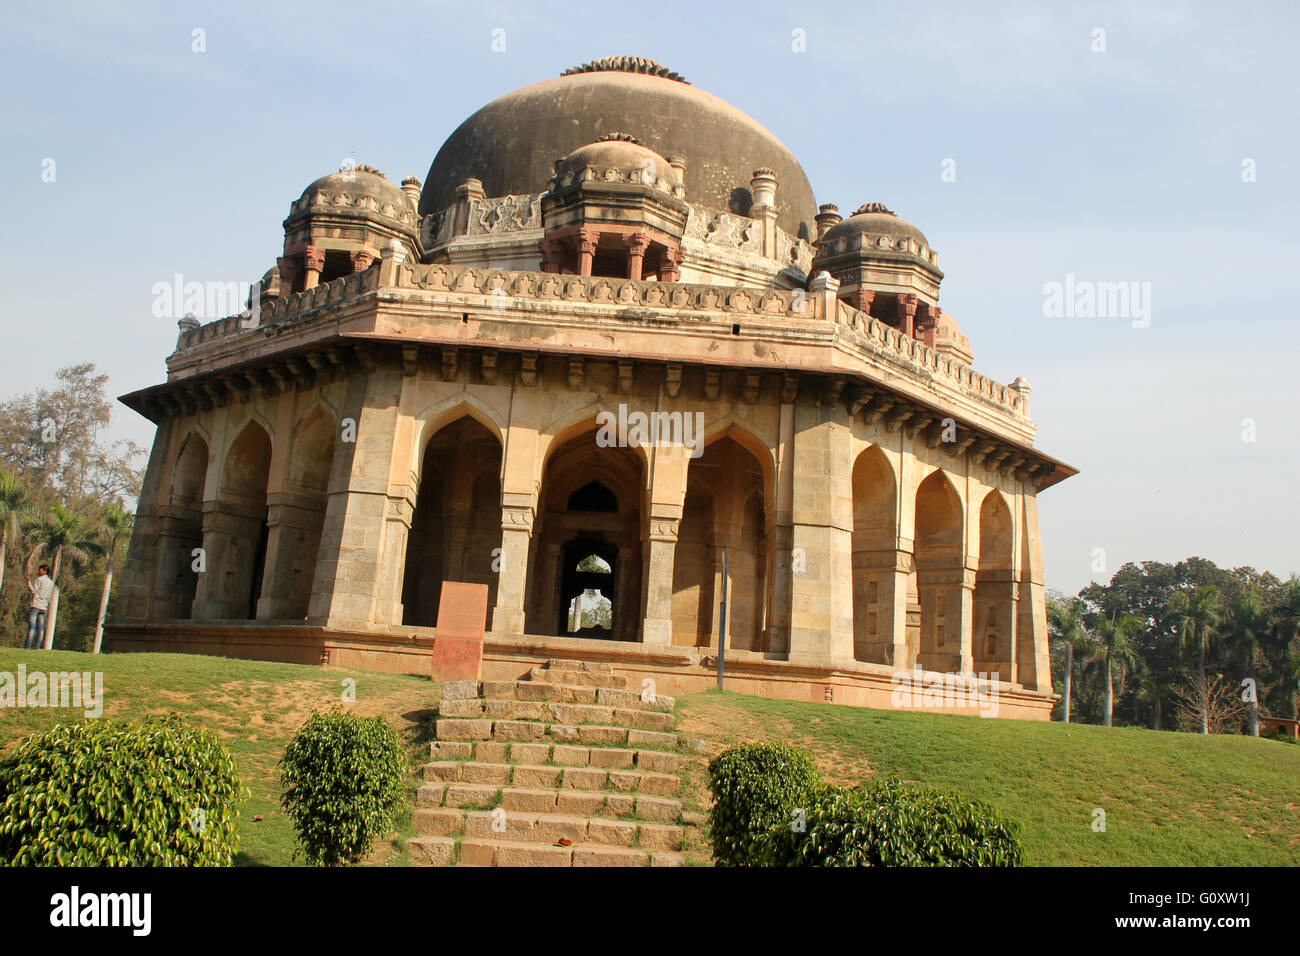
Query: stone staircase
[[567, 767]]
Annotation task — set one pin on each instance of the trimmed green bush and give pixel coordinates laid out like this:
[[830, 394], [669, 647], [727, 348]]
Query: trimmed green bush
[[344, 777], [891, 824], [114, 793], [755, 788]]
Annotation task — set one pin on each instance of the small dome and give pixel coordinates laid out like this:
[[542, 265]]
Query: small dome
[[874, 219], [361, 182], [620, 151]]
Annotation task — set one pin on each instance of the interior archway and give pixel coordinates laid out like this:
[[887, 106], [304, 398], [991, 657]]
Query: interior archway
[[940, 570], [875, 557], [993, 645]]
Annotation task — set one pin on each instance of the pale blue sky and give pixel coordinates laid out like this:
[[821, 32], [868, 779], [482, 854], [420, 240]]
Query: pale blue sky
[[1117, 166]]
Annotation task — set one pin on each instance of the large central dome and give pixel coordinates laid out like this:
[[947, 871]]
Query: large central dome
[[512, 143]]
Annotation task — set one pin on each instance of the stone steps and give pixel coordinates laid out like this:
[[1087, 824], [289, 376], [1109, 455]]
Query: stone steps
[[485, 796], [525, 731], [565, 755], [477, 852], [569, 756], [548, 828], [551, 777]]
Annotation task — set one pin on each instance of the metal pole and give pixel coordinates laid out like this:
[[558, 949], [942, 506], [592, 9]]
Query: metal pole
[[722, 631]]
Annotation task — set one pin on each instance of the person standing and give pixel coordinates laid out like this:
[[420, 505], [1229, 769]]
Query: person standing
[[42, 590]]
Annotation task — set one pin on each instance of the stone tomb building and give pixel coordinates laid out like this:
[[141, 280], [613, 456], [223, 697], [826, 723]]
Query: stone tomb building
[[610, 337]]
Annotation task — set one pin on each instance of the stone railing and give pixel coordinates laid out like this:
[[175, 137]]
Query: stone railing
[[274, 311], [495, 285], [875, 333]]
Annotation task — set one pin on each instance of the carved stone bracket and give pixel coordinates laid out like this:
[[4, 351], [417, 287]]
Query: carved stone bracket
[[673, 379]]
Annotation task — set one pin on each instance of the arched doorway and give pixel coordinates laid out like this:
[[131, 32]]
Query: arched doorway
[[235, 531], [725, 508], [181, 531], [940, 573], [876, 564], [590, 506], [587, 591], [456, 527], [995, 591]]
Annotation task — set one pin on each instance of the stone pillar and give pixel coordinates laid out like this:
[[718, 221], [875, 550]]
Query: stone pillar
[[468, 195], [411, 190], [821, 617], [294, 523], [231, 533], [512, 576], [135, 590], [862, 299], [174, 577], [763, 209], [637, 244], [825, 289], [907, 314], [880, 593], [782, 535], [314, 263], [828, 215], [993, 644], [947, 597], [587, 239], [1033, 668], [359, 559], [660, 551], [362, 260]]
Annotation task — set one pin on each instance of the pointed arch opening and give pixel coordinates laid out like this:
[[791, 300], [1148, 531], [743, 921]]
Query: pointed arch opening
[[181, 532], [725, 509], [876, 560], [940, 574], [456, 527]]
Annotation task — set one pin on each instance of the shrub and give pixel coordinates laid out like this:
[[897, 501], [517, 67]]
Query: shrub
[[895, 825], [114, 793], [756, 787], [343, 777]]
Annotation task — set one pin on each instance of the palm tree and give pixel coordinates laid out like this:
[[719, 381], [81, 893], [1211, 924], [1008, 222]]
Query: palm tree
[[13, 505], [64, 533], [1153, 690], [1246, 626], [113, 527], [1197, 616], [1066, 623], [1114, 652]]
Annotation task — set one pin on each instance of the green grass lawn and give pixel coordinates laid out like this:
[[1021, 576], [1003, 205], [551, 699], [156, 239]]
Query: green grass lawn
[[254, 706], [1171, 799]]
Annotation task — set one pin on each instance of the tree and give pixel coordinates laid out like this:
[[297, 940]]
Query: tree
[[1197, 616], [50, 440], [61, 532], [113, 528], [13, 505], [1245, 627], [1065, 620], [1153, 691], [1213, 703], [1114, 653]]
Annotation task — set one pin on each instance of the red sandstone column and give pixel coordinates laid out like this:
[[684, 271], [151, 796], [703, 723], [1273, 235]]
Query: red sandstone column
[[315, 261], [907, 314], [637, 244], [361, 261], [586, 250], [861, 300]]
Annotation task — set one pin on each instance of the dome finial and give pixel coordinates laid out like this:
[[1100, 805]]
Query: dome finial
[[873, 207], [626, 64]]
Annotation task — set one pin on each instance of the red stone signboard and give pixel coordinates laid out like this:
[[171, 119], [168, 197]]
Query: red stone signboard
[[458, 636]]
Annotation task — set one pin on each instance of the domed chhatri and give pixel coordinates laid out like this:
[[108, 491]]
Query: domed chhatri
[[609, 348]]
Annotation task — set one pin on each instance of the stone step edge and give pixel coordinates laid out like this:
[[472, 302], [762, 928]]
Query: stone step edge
[[474, 757], [424, 800], [547, 730], [539, 817], [667, 784], [638, 705], [541, 855]]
